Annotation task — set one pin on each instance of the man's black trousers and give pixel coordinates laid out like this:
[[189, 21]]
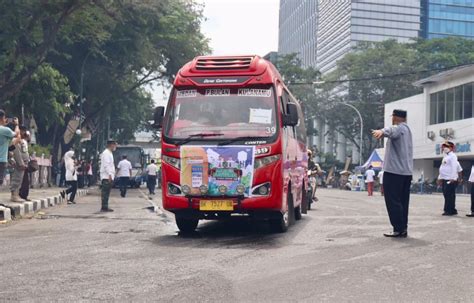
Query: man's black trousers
[[397, 199], [449, 193], [123, 183]]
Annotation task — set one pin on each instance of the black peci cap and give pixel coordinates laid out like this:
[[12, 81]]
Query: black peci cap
[[110, 142], [399, 113]]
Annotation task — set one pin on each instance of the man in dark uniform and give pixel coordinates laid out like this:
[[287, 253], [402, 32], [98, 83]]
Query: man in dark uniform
[[398, 168]]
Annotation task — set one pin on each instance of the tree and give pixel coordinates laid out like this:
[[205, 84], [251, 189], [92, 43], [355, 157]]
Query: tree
[[107, 50], [28, 31], [384, 72], [297, 79]]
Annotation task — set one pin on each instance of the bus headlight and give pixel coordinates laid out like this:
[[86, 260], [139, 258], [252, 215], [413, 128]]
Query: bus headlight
[[186, 189], [261, 162], [262, 189], [175, 162], [240, 189], [174, 189]]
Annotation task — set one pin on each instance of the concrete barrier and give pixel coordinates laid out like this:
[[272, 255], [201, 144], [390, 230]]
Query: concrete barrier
[[13, 210]]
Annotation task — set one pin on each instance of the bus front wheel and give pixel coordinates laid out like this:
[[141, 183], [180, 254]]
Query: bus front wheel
[[284, 220], [187, 225]]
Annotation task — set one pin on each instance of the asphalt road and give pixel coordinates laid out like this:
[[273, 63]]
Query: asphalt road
[[336, 253]]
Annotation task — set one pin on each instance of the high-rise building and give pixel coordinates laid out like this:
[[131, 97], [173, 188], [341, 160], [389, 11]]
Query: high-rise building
[[323, 31], [443, 18], [342, 24], [298, 29]]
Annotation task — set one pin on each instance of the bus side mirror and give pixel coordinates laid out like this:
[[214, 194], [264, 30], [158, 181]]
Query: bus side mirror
[[158, 117], [291, 118]]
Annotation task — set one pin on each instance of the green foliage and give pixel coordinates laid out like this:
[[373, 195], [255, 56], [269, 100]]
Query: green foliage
[[51, 52], [290, 68], [41, 150]]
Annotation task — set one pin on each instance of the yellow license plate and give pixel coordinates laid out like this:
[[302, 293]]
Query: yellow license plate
[[224, 205]]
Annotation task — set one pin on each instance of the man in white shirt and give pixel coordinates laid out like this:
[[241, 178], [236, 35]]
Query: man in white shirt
[[107, 174], [380, 177], [124, 172], [151, 170], [369, 179], [448, 178], [471, 180]]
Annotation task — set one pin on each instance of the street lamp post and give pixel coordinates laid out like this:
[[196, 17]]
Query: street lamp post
[[361, 130], [361, 122], [81, 89]]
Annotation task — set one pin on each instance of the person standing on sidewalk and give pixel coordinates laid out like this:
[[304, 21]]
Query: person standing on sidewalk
[[471, 180], [398, 170], [124, 172], [71, 177], [6, 135], [107, 174], [151, 170], [20, 166], [25, 184], [448, 178], [369, 179]]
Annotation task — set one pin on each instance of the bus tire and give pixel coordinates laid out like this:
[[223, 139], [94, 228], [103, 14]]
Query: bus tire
[[284, 220], [298, 213], [186, 225]]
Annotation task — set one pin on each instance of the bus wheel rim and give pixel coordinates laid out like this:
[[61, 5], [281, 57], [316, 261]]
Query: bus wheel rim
[[286, 218]]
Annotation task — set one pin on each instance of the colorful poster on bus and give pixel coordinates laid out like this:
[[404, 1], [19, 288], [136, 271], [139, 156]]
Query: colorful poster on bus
[[217, 167]]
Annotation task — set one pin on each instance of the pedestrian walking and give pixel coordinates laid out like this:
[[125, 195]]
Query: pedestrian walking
[[369, 179], [71, 178], [6, 135], [25, 184], [107, 174], [380, 177], [124, 172], [471, 180], [20, 166], [151, 171], [448, 178], [398, 170], [90, 174]]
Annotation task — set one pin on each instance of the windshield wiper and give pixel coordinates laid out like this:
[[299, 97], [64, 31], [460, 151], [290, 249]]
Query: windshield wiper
[[200, 135], [229, 141]]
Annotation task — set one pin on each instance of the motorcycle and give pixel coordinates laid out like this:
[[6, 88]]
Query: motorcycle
[[312, 185]]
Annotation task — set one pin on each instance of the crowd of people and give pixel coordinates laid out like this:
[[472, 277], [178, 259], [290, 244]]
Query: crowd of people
[[108, 172], [15, 160]]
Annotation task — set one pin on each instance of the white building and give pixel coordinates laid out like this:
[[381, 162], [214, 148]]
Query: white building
[[444, 111]]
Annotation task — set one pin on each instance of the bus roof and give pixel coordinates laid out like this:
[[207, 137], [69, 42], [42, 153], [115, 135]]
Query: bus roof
[[227, 70]]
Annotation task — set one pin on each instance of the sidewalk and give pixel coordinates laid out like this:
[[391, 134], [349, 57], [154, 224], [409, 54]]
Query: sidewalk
[[41, 198]]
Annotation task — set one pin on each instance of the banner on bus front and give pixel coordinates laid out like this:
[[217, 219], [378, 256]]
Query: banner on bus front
[[217, 168]]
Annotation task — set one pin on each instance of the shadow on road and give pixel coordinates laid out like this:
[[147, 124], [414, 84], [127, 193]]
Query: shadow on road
[[233, 233]]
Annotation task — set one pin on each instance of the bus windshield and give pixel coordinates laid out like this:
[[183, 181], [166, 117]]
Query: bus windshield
[[134, 155], [217, 113]]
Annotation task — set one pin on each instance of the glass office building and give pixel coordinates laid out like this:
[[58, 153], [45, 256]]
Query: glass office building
[[342, 24], [443, 18], [298, 29], [323, 31]]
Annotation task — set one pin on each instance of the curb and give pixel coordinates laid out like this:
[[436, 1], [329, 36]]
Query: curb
[[13, 210]]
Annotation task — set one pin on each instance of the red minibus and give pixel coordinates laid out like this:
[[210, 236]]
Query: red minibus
[[233, 142]]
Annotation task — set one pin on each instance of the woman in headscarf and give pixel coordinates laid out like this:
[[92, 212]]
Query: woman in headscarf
[[71, 177]]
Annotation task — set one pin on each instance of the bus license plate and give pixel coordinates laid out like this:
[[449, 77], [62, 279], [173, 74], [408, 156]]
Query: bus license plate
[[224, 205]]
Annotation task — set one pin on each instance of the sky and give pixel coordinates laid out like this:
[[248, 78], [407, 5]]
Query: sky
[[241, 27], [236, 27]]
